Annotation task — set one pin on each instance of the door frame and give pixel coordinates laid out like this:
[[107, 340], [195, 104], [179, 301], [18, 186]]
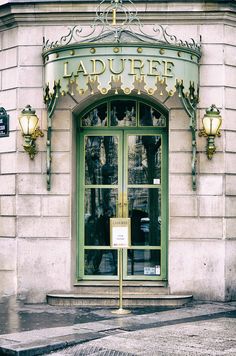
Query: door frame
[[117, 130]]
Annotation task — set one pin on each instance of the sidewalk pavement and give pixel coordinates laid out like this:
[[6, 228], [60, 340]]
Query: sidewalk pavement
[[195, 329]]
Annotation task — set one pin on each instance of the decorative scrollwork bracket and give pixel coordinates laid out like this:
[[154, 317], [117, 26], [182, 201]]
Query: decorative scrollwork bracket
[[50, 100], [189, 102]]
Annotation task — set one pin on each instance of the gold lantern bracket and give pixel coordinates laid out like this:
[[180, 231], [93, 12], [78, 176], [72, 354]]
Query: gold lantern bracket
[[29, 144], [28, 121]]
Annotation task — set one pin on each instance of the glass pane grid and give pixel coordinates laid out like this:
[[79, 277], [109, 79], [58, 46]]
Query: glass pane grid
[[123, 113], [104, 166]]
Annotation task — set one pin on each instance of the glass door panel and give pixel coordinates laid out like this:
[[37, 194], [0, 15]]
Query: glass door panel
[[144, 159], [99, 190], [145, 214], [100, 205], [101, 160], [121, 176], [142, 181], [100, 262]]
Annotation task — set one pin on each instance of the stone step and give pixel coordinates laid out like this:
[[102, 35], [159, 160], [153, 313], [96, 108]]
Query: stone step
[[108, 287], [112, 300]]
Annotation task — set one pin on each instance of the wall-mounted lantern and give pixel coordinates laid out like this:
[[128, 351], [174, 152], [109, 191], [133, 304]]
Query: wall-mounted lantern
[[211, 127], [29, 126]]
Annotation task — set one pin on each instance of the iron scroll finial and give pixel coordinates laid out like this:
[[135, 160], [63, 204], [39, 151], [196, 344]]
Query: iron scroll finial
[[118, 17]]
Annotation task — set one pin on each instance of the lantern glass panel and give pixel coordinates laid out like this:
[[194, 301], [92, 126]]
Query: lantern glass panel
[[28, 124], [211, 125]]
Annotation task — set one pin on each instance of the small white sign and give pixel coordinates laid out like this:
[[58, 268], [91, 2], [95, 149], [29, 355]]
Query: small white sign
[[120, 232], [156, 181], [120, 236], [158, 270], [149, 270]]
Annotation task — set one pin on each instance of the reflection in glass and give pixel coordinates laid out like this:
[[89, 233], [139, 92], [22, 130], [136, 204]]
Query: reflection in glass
[[96, 116], [144, 159], [101, 159], [144, 262], [99, 207], [151, 117], [123, 113], [145, 214], [100, 262]]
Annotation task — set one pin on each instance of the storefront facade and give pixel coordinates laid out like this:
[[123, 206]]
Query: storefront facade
[[120, 89]]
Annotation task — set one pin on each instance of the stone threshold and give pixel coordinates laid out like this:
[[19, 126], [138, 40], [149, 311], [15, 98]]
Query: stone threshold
[[129, 299]]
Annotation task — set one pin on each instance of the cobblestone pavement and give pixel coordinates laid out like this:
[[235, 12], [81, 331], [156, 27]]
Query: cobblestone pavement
[[90, 350], [193, 330], [210, 334]]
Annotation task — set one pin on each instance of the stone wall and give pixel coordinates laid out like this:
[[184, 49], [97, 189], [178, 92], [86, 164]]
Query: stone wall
[[202, 227], [230, 159], [37, 227], [8, 244]]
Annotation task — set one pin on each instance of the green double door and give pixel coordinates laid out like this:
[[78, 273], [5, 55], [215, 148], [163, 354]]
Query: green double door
[[122, 172]]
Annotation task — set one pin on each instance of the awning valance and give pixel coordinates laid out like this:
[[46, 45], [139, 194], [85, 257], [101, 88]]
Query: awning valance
[[126, 68]]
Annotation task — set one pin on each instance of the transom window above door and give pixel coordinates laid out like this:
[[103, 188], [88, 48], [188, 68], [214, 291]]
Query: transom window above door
[[123, 113]]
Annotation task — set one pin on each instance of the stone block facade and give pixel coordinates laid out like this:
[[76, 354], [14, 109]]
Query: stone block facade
[[38, 227]]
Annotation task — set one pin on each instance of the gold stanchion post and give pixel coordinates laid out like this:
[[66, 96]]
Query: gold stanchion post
[[120, 238], [121, 310]]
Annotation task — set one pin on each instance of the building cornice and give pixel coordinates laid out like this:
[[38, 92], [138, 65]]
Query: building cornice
[[34, 13], [4, 2]]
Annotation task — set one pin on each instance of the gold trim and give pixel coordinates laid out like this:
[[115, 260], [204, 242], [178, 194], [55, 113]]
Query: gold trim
[[104, 90], [127, 90]]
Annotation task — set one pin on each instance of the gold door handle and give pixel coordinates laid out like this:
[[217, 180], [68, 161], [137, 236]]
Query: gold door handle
[[122, 206], [119, 208], [125, 206]]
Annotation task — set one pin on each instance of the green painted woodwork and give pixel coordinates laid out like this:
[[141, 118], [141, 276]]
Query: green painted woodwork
[[122, 186]]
